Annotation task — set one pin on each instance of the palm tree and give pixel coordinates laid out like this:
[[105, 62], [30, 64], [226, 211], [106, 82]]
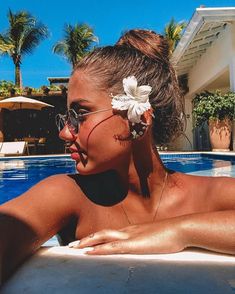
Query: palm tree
[[4, 48], [77, 42], [173, 32], [23, 36]]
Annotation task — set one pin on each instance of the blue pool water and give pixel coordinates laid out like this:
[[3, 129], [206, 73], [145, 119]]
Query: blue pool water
[[18, 174]]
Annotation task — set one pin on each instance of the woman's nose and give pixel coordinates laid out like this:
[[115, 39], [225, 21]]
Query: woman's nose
[[66, 135]]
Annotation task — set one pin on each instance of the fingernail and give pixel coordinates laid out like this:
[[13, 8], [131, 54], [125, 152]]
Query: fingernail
[[88, 249], [74, 244]]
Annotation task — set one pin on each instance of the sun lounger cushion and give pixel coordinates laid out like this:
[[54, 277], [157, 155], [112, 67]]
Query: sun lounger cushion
[[12, 148]]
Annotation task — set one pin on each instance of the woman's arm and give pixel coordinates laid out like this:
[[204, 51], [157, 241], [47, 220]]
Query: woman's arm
[[29, 220], [212, 227], [212, 230]]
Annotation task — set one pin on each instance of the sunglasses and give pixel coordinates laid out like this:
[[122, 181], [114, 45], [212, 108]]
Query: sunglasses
[[72, 119]]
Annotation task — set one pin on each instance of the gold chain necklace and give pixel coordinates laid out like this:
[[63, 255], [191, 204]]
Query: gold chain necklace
[[159, 202]]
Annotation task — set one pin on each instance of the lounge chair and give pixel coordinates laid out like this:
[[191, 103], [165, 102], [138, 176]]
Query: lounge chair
[[13, 148], [41, 145]]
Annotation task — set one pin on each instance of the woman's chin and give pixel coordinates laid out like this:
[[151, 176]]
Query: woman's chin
[[84, 169], [88, 169]]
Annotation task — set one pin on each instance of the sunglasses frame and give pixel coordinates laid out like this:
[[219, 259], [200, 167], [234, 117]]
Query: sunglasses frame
[[66, 119]]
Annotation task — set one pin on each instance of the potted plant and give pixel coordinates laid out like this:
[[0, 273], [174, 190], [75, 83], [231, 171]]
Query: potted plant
[[217, 110]]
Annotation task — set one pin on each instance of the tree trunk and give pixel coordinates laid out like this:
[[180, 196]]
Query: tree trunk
[[18, 78]]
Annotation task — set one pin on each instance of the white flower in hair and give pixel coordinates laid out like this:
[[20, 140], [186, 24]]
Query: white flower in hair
[[135, 100]]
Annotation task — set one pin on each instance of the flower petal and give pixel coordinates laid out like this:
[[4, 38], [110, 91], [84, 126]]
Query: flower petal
[[136, 109], [143, 93], [121, 97], [144, 106], [119, 105], [136, 100], [120, 102], [130, 86], [132, 115]]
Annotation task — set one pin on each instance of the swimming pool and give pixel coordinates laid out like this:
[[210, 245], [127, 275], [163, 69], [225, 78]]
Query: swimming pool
[[20, 173]]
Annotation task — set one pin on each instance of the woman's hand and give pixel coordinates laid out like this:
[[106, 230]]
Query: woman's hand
[[210, 230], [159, 237]]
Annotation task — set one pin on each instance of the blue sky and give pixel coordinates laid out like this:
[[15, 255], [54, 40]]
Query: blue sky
[[108, 19]]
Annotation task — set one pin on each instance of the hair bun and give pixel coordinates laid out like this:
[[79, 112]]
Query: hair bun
[[148, 42]]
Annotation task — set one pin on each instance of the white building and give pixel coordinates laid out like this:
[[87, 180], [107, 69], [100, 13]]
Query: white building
[[205, 58]]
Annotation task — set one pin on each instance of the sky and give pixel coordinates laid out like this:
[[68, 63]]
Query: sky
[[107, 18]]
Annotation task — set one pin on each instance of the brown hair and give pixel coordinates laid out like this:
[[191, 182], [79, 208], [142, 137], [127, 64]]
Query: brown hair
[[145, 55]]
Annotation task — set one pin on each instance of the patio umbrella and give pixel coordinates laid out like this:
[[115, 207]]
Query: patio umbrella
[[21, 102]]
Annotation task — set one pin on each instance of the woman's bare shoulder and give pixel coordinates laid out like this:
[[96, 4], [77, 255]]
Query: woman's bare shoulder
[[216, 192], [58, 188], [57, 192], [58, 183], [204, 182], [222, 190]]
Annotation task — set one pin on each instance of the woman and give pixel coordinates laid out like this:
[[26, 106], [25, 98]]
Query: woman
[[123, 198]]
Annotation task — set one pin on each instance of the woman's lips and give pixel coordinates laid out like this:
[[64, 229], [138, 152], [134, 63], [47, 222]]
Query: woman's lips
[[79, 156], [75, 156]]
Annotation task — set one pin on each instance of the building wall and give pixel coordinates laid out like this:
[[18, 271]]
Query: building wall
[[212, 65], [185, 142], [34, 123]]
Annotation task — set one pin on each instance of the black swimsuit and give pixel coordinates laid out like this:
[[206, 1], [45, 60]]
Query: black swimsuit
[[102, 189]]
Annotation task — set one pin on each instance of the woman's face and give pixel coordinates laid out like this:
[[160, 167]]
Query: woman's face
[[95, 147]]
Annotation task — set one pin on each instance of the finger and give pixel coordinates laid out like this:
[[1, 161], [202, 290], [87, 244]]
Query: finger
[[103, 236], [116, 247], [74, 244]]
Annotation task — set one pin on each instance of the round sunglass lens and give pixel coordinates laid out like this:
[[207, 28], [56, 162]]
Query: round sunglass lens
[[73, 122], [60, 122]]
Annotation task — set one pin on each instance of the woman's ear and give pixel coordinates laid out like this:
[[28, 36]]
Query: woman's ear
[[148, 117], [138, 130]]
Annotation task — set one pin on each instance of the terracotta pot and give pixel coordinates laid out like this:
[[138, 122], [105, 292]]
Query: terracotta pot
[[220, 134]]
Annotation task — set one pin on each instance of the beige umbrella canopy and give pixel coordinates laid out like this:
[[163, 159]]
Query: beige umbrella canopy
[[21, 102]]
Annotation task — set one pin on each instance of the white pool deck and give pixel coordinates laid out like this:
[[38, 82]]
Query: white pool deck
[[67, 270]]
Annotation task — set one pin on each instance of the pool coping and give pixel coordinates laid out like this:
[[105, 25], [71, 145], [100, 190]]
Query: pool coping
[[164, 153], [215, 155]]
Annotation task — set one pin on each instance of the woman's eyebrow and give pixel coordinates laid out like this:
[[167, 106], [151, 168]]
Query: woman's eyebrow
[[75, 104], [81, 100]]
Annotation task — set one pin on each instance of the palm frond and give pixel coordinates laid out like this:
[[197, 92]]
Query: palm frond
[[78, 40], [23, 35], [5, 45], [33, 37], [173, 32], [25, 32]]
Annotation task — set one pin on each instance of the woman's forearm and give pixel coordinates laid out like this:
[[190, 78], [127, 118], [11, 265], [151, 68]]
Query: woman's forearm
[[213, 230]]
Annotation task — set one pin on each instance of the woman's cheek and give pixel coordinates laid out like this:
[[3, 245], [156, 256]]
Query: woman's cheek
[[102, 133], [119, 127], [84, 133]]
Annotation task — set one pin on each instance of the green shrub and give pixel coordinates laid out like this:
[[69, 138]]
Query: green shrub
[[213, 106]]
